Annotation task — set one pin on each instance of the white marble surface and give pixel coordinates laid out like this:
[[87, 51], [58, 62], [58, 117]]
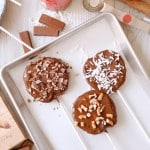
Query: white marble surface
[[17, 19]]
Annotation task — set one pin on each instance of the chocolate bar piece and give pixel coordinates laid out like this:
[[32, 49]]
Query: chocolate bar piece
[[52, 22], [45, 31], [26, 145], [25, 148], [25, 37]]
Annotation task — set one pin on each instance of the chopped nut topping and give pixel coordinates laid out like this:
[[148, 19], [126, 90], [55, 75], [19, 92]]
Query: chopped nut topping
[[44, 93], [90, 110], [37, 99], [25, 75], [100, 97], [109, 122], [93, 124], [93, 96], [88, 115], [98, 111], [94, 106], [104, 122], [97, 122], [29, 90], [53, 84], [99, 118], [84, 99], [76, 123], [79, 109], [84, 108], [93, 101], [62, 70], [90, 107], [82, 117], [82, 124], [29, 71], [61, 80], [109, 115], [49, 81], [42, 100], [102, 108], [65, 82]]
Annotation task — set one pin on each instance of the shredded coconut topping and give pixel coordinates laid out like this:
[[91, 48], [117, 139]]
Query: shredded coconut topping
[[105, 70]]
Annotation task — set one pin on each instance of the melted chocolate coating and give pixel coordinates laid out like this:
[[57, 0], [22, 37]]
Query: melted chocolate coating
[[46, 78], [105, 71], [94, 111]]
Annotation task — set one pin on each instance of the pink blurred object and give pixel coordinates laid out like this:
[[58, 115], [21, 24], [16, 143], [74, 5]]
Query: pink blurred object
[[56, 4]]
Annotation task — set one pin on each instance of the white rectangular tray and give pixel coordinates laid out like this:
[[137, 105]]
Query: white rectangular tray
[[51, 124]]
